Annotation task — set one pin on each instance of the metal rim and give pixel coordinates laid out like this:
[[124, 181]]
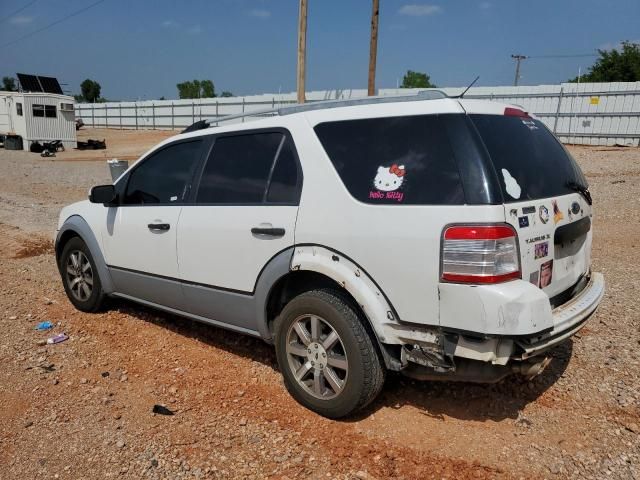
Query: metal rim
[[317, 357], [79, 275]]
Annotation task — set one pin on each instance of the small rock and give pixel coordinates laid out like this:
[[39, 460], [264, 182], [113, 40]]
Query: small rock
[[632, 427], [13, 317], [104, 374], [154, 462], [28, 423], [124, 378], [243, 422], [120, 444], [84, 381]]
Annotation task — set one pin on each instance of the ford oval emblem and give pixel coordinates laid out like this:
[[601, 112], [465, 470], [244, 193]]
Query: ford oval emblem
[[575, 208]]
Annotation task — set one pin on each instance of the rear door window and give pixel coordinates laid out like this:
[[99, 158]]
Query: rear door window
[[530, 162], [243, 170], [394, 160]]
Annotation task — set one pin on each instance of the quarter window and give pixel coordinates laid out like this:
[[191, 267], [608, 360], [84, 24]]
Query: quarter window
[[394, 160], [165, 176], [19, 109], [239, 169], [38, 110]]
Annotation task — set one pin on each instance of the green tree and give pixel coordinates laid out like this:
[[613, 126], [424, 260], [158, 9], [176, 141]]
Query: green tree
[[9, 84], [90, 90], [615, 65], [196, 89], [226, 94], [416, 80]]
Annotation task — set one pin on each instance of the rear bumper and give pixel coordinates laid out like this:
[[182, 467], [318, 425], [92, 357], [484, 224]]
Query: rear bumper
[[465, 356], [567, 318]]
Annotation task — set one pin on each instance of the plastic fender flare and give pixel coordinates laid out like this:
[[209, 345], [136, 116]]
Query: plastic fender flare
[[80, 227], [353, 279]]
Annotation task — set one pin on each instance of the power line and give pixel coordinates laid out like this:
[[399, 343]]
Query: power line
[[565, 56], [73, 14], [18, 11]]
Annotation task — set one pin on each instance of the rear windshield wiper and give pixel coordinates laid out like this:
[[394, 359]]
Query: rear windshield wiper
[[582, 190]]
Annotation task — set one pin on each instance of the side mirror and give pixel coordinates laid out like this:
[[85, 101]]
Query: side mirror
[[104, 194]]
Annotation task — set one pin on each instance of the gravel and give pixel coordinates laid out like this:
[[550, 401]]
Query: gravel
[[83, 408]]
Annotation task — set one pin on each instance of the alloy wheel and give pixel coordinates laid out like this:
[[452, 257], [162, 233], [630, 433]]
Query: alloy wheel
[[79, 275], [317, 357]]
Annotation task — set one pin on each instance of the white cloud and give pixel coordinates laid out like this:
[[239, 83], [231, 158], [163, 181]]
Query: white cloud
[[485, 5], [260, 13], [21, 20], [415, 10], [169, 24], [195, 30]]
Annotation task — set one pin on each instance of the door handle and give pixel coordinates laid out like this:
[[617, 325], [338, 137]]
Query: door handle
[[268, 231], [158, 227]]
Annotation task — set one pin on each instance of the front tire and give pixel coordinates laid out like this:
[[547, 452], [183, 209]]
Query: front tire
[[328, 359], [80, 276]]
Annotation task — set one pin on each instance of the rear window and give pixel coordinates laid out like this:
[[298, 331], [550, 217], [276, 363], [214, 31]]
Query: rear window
[[530, 162], [397, 160]]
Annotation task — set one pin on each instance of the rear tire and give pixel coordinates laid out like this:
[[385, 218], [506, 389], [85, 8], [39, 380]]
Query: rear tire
[[80, 276], [329, 361]]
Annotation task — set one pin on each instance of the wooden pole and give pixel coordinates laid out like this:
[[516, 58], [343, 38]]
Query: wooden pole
[[373, 47], [302, 50]]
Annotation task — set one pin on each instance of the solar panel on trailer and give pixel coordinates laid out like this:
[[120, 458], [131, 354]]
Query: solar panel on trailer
[[29, 83], [50, 84]]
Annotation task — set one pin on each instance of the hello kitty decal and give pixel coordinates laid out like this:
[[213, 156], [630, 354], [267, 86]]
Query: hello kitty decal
[[387, 182]]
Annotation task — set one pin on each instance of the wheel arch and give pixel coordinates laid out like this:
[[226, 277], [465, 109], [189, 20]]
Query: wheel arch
[[76, 226], [316, 267]]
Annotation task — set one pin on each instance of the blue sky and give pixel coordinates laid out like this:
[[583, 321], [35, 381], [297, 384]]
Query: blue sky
[[141, 49]]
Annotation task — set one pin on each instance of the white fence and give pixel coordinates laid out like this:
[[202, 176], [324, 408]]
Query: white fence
[[588, 113]]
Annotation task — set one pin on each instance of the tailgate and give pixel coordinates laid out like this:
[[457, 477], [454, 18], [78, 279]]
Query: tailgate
[[555, 240], [545, 199]]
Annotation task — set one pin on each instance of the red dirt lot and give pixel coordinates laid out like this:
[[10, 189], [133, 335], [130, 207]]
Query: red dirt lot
[[82, 409]]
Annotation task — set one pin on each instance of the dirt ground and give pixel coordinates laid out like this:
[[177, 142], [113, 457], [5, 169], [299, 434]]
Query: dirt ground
[[121, 144], [82, 409]]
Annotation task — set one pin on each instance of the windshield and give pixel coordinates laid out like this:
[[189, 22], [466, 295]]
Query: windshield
[[530, 162]]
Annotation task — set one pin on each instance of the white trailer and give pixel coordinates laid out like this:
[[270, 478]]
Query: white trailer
[[38, 117]]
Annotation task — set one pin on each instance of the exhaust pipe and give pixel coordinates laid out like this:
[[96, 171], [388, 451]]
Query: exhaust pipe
[[531, 369]]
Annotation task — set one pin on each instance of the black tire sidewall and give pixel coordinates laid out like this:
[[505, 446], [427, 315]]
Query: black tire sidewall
[[94, 301], [342, 320]]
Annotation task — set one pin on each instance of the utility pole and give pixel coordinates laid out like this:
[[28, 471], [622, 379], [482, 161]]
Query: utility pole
[[302, 50], [518, 58], [373, 48]]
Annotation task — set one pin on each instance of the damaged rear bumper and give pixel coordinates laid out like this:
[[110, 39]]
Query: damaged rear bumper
[[567, 318], [464, 356]]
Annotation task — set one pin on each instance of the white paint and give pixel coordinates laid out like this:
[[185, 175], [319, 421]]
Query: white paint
[[396, 249], [511, 185]]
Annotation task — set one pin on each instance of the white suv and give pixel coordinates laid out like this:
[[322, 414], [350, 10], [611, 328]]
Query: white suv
[[441, 237]]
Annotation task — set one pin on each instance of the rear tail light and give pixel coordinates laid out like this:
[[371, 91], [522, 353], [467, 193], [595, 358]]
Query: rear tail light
[[480, 254]]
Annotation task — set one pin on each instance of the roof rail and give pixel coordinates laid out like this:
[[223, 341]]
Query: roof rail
[[325, 104]]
